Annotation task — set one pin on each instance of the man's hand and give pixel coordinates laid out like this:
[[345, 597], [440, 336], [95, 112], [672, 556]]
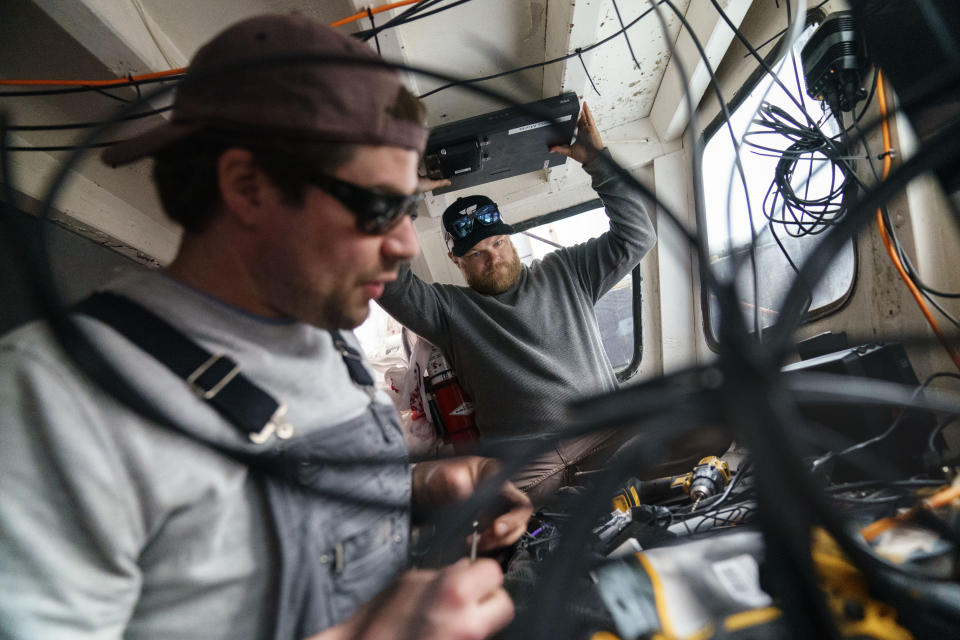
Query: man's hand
[[425, 184], [461, 602], [588, 143], [440, 483]]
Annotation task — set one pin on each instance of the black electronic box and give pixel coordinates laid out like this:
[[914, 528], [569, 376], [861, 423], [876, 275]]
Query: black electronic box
[[501, 144]]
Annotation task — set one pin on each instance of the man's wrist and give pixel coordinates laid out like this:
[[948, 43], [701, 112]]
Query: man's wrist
[[600, 169]]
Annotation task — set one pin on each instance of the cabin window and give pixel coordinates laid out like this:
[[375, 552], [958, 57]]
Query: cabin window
[[537, 237], [782, 244]]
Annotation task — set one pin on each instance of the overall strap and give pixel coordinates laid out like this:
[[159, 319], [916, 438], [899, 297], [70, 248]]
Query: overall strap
[[215, 378], [353, 360]]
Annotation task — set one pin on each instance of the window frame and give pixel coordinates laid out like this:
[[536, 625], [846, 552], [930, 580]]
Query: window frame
[[713, 128], [636, 279]]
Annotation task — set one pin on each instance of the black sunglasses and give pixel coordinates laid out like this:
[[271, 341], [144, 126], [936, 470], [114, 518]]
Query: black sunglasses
[[375, 212]]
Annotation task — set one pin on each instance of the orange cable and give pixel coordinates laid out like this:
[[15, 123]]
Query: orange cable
[[937, 500], [94, 83], [363, 14], [172, 72], [885, 127]]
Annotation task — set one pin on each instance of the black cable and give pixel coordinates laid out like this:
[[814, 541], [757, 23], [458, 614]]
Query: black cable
[[87, 125], [587, 72], [936, 153], [803, 603], [96, 89], [726, 296], [862, 485], [535, 65], [407, 16], [782, 31], [738, 165], [95, 145], [911, 270], [869, 101], [776, 80], [569, 561], [372, 33], [932, 441], [800, 215], [737, 262], [937, 25], [107, 94], [73, 343], [833, 455], [366, 35], [78, 347], [905, 260], [623, 28], [901, 252], [868, 500], [747, 356]]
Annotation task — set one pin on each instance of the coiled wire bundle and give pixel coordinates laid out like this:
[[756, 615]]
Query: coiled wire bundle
[[789, 204]]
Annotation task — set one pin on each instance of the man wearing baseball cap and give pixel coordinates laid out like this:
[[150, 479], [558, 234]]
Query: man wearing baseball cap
[[524, 341], [271, 497]]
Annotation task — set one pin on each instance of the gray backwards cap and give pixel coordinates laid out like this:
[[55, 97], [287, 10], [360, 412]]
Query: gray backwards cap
[[327, 101]]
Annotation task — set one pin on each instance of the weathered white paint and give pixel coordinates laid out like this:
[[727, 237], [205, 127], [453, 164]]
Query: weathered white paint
[[116, 34], [669, 113], [392, 44], [91, 208], [560, 25]]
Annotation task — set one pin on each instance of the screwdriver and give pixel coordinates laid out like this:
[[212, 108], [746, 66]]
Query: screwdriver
[[473, 543]]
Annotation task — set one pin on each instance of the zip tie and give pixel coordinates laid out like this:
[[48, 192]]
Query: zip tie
[[135, 85], [373, 27], [892, 153], [579, 55]]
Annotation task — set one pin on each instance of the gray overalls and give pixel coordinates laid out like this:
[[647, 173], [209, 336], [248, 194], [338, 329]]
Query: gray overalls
[[336, 554], [341, 521]]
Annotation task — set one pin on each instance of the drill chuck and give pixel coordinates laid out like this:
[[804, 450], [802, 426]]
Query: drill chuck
[[708, 478]]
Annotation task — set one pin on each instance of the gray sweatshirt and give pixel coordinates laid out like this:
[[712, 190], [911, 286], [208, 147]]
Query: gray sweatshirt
[[524, 354]]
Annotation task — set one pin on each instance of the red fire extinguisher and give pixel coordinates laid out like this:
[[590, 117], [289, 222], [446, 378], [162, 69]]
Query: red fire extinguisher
[[451, 407]]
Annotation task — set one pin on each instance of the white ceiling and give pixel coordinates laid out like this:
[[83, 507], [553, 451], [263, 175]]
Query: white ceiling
[[81, 39]]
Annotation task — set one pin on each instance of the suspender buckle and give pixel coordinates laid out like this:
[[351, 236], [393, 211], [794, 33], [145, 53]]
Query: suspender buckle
[[207, 394], [276, 425]]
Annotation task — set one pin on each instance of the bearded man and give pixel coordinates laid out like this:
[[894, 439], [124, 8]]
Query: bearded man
[[524, 340]]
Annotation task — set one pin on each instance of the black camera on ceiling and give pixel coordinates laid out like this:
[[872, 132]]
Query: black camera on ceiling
[[835, 62]]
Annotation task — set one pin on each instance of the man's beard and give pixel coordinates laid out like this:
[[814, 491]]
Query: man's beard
[[498, 278]]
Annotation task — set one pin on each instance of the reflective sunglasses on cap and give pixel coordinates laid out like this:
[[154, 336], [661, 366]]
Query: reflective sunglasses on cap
[[486, 215], [375, 212]]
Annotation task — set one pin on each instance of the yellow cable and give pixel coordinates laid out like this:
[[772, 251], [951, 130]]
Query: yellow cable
[[659, 597]]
